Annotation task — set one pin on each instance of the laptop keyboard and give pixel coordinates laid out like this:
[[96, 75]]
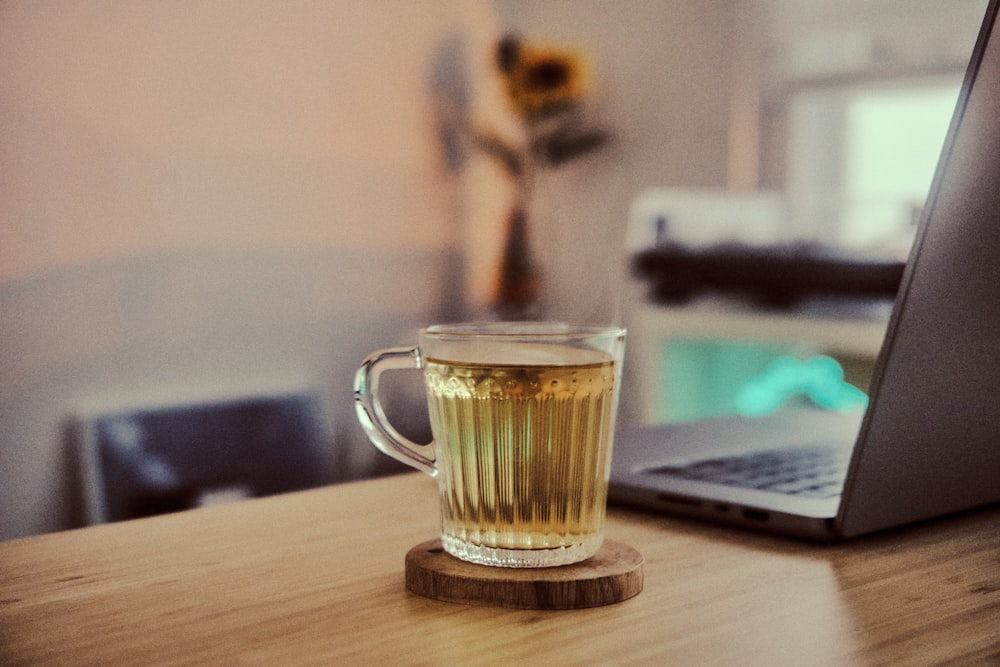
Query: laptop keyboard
[[814, 471]]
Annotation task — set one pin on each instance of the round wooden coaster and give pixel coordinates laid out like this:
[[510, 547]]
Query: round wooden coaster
[[613, 574]]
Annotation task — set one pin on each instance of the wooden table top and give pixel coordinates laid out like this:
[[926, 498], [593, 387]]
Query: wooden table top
[[317, 578]]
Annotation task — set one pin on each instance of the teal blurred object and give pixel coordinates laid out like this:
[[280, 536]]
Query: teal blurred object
[[715, 378], [702, 376], [820, 379]]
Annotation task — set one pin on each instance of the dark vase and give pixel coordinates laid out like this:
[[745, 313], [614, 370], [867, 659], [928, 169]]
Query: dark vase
[[519, 290]]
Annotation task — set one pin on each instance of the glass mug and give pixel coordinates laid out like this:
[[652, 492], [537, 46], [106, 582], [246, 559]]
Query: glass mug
[[522, 417]]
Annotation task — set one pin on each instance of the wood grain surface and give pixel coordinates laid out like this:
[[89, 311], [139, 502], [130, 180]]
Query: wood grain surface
[[317, 578]]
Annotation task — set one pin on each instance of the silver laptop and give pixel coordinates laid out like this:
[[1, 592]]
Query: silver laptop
[[928, 443]]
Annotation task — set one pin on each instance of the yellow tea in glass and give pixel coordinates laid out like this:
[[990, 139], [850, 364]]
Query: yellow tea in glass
[[522, 416]]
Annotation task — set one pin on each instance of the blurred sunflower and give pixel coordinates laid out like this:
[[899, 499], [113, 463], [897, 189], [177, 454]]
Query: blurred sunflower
[[541, 81], [545, 87]]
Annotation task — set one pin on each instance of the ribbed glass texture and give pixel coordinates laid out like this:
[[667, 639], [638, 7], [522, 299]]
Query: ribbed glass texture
[[523, 457]]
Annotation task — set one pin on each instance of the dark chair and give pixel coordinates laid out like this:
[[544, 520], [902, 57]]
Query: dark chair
[[143, 461]]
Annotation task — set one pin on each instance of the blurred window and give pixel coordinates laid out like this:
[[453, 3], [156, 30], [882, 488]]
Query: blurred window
[[861, 158], [894, 139]]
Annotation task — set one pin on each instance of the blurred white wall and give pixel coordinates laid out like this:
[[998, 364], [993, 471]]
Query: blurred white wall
[[207, 193], [229, 192], [129, 126]]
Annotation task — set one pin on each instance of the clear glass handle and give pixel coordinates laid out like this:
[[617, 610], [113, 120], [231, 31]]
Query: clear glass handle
[[372, 416]]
